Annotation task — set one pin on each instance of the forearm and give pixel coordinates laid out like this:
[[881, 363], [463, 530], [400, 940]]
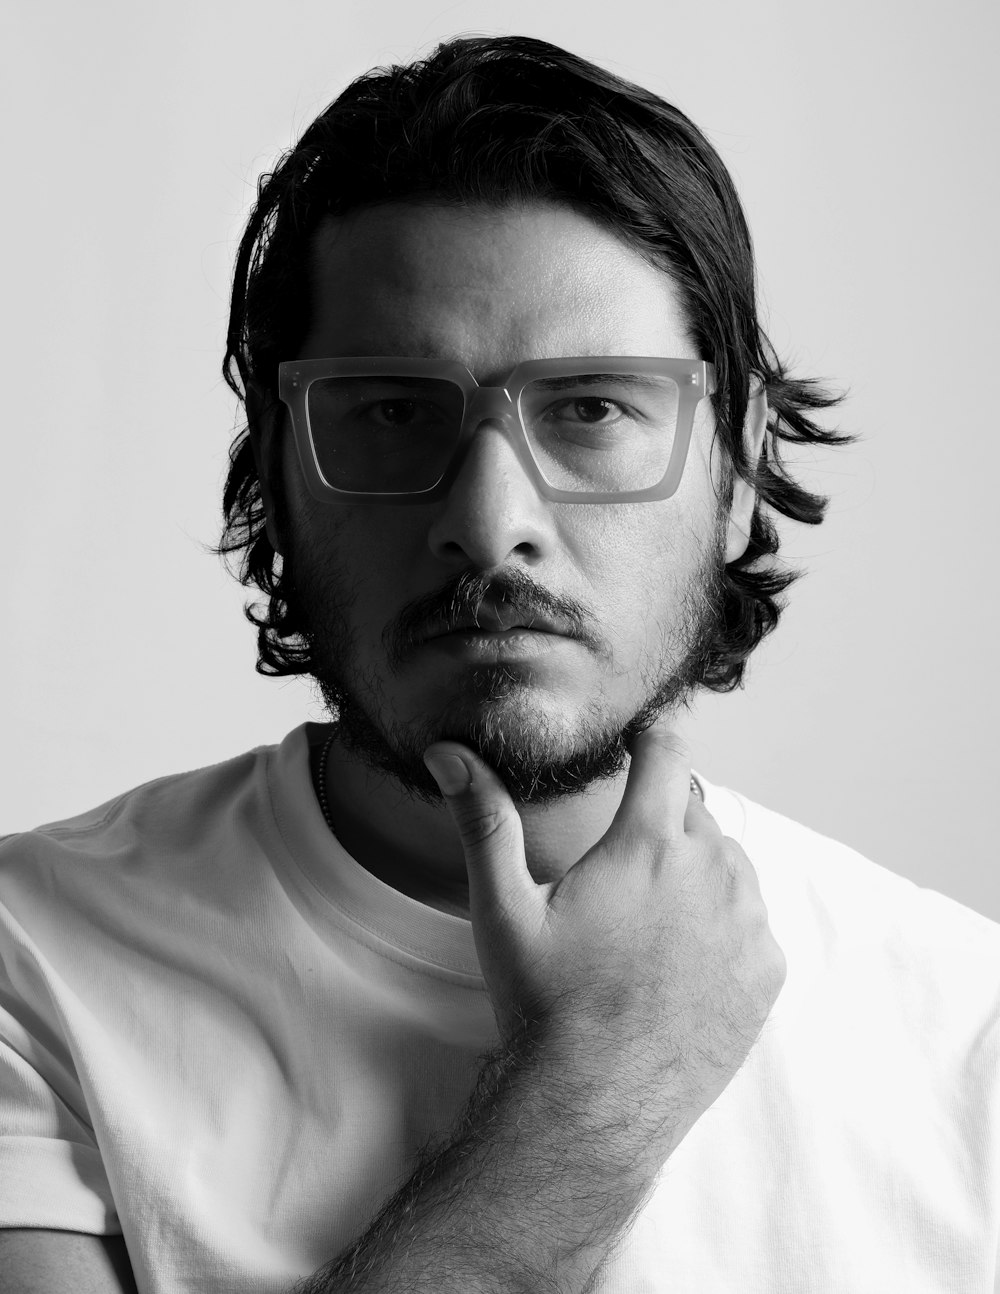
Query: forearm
[[531, 1193]]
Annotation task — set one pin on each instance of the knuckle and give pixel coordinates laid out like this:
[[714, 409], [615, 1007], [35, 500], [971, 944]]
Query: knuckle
[[704, 824], [779, 967], [646, 840], [663, 841], [480, 823], [727, 869], [672, 744], [732, 860], [677, 745], [735, 854], [741, 871]]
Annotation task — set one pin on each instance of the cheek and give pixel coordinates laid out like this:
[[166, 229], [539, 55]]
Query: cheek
[[633, 560]]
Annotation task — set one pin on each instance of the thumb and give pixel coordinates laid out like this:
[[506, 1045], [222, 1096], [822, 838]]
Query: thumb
[[489, 827]]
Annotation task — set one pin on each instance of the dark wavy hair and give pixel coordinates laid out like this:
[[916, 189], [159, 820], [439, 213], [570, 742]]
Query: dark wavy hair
[[511, 119]]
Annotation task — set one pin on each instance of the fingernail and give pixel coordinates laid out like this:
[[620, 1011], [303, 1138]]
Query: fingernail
[[451, 773]]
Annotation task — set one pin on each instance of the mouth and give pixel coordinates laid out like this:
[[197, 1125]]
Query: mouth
[[498, 635], [498, 622], [485, 646]]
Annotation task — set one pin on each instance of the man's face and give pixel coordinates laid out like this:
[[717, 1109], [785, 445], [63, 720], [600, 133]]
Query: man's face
[[635, 587]]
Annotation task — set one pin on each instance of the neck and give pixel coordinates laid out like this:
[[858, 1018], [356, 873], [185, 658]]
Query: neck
[[414, 846]]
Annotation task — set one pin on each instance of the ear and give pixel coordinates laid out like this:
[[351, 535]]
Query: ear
[[263, 420], [744, 495]]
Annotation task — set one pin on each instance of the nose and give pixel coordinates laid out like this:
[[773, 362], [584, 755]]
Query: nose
[[492, 511]]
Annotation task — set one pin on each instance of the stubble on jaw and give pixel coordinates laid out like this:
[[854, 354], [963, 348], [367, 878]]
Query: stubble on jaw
[[539, 760]]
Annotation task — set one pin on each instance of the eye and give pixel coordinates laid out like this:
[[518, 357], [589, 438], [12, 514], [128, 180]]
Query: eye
[[402, 414], [592, 410]]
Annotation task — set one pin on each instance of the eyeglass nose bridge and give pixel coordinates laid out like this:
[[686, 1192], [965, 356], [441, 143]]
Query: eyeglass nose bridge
[[493, 404], [489, 402]]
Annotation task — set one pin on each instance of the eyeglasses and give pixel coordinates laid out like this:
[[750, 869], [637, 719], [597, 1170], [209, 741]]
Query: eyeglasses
[[607, 429]]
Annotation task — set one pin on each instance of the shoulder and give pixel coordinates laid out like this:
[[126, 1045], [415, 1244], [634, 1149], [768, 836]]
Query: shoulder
[[838, 876], [155, 839], [881, 942], [169, 806]]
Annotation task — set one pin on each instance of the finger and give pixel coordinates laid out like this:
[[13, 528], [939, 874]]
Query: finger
[[489, 826], [742, 870], [658, 789], [697, 817]]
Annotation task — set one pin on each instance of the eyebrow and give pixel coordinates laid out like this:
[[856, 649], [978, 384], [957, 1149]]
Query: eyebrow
[[638, 381]]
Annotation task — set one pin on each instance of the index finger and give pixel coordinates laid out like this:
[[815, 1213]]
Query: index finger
[[658, 789]]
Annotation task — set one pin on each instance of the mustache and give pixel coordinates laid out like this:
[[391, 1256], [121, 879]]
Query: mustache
[[464, 596]]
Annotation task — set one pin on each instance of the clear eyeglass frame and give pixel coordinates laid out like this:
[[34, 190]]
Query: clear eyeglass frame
[[496, 404]]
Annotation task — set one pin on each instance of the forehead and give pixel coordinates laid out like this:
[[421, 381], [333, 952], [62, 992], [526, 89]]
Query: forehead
[[487, 286]]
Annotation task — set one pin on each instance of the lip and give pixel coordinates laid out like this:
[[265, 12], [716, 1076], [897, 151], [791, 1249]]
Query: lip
[[518, 643], [500, 619]]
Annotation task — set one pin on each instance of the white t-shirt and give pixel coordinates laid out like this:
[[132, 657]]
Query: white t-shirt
[[224, 1038]]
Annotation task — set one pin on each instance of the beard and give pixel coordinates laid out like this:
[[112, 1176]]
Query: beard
[[495, 713]]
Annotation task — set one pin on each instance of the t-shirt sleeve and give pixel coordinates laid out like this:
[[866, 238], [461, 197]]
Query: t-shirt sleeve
[[51, 1171]]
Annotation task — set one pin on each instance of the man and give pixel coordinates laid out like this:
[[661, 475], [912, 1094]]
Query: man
[[479, 987]]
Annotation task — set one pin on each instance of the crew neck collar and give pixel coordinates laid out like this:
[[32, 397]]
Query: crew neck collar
[[343, 890]]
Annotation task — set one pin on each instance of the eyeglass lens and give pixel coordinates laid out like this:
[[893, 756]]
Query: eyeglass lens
[[588, 432]]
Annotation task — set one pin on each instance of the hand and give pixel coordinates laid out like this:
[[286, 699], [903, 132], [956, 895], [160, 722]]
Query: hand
[[651, 962]]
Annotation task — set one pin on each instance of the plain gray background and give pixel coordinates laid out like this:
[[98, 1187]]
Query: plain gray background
[[862, 138]]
